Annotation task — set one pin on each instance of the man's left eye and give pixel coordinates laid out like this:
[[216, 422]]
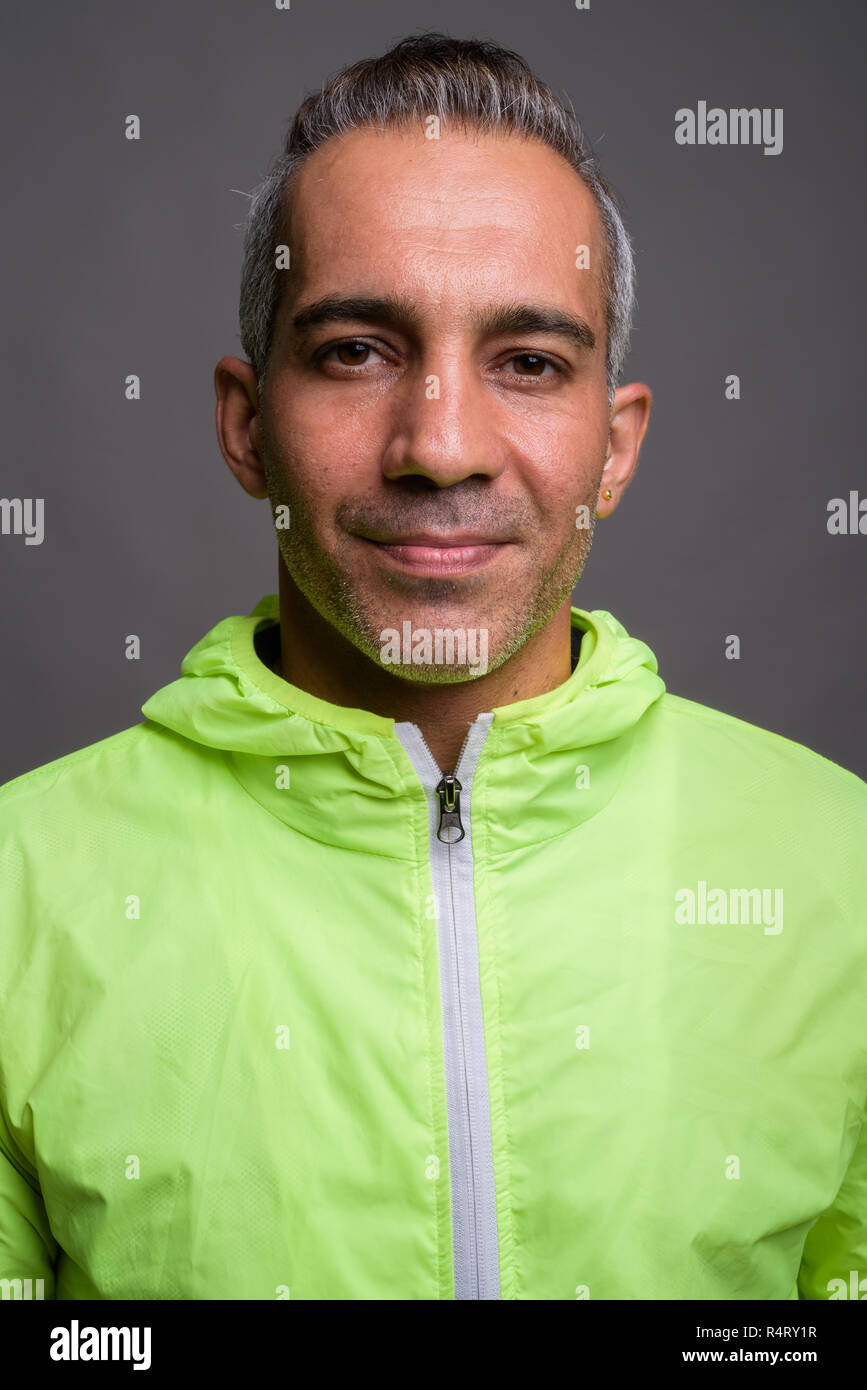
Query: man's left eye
[[532, 364]]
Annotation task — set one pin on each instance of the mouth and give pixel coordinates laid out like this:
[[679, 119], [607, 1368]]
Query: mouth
[[434, 559]]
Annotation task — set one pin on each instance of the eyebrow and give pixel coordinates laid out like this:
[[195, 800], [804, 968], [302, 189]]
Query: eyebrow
[[390, 309]]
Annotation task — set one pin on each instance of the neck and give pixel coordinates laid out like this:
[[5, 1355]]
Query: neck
[[318, 659]]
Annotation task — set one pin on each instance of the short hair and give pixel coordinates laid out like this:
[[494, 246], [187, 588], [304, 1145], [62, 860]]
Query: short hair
[[472, 83]]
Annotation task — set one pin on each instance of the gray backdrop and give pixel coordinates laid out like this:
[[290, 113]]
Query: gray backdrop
[[123, 257]]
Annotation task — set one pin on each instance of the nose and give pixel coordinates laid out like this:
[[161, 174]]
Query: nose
[[443, 425]]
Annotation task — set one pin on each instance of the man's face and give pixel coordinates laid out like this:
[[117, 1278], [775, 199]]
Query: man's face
[[435, 418]]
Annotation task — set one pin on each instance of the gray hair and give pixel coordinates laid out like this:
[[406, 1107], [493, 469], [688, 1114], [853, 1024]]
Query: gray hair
[[474, 83]]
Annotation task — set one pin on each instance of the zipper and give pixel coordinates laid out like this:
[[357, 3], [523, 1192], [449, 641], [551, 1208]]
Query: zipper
[[449, 791], [473, 1195]]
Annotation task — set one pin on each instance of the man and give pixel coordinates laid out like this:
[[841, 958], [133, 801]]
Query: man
[[402, 952]]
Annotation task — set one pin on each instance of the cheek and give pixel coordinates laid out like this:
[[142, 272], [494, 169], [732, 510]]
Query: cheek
[[563, 452], [317, 452], [562, 478]]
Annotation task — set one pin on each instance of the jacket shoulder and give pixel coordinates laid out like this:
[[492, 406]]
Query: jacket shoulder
[[770, 755], [74, 777], [38, 779]]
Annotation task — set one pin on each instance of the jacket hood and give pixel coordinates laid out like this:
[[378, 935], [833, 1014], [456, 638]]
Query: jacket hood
[[227, 698], [352, 779]]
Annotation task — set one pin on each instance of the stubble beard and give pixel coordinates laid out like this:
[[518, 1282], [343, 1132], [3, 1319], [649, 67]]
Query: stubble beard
[[330, 588]]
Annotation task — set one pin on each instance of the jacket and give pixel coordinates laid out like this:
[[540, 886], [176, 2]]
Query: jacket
[[288, 1011]]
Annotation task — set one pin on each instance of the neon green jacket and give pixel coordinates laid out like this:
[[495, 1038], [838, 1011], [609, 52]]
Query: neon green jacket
[[285, 1012]]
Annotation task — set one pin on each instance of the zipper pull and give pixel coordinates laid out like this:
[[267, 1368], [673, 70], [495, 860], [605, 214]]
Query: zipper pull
[[450, 808]]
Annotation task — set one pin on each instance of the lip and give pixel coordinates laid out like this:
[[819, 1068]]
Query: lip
[[430, 538], [432, 558]]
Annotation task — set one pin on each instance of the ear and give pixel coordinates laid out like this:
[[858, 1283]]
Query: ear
[[238, 423], [630, 416]]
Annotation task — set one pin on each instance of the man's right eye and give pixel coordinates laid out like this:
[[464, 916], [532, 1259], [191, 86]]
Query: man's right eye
[[351, 353]]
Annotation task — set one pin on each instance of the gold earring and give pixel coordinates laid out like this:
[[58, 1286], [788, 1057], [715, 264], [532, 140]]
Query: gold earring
[[608, 494]]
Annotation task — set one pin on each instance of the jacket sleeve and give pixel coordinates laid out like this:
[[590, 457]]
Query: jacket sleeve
[[28, 1250], [836, 1245]]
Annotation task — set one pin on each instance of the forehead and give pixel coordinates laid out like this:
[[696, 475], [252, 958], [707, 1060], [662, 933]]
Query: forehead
[[461, 219]]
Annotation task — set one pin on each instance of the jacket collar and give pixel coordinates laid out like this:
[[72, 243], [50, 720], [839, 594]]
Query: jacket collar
[[227, 699]]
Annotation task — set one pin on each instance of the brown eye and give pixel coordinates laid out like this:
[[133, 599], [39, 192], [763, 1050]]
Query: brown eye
[[535, 362], [348, 353]]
